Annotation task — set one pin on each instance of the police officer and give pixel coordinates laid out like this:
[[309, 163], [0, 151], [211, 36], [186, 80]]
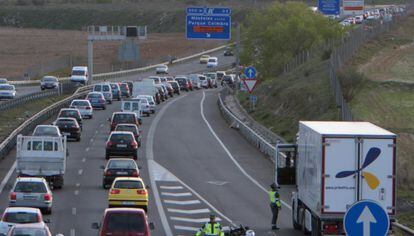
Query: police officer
[[275, 204], [211, 228]]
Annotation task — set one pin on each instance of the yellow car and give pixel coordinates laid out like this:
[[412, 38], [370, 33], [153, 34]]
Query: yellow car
[[128, 192], [204, 59]]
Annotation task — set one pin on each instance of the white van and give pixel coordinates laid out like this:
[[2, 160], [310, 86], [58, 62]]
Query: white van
[[79, 74], [133, 106], [105, 89]]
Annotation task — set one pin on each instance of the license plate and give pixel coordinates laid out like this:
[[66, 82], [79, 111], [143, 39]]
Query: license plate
[[121, 173], [29, 197], [121, 145], [95, 100], [128, 203], [66, 134]]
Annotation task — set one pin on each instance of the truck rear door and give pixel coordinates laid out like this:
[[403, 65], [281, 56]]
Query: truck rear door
[[377, 167], [339, 182]]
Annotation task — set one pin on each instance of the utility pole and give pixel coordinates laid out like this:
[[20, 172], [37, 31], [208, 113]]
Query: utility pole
[[90, 60]]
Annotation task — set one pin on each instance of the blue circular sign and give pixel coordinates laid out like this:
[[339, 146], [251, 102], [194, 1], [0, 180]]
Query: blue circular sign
[[366, 218], [250, 72]]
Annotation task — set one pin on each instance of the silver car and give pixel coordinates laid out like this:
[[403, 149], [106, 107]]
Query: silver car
[[7, 91], [31, 192], [105, 89], [49, 82]]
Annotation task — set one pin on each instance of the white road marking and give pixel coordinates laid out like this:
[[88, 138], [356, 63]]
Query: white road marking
[[190, 202], [229, 154], [189, 212], [80, 171], [102, 125], [96, 132], [7, 177], [186, 228], [150, 159], [74, 211], [77, 185], [192, 220], [87, 149], [171, 187], [218, 183], [91, 140], [176, 194], [72, 232], [76, 192], [84, 159]]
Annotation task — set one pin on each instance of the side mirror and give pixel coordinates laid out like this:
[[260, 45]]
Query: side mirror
[[139, 167], [95, 225], [47, 221], [147, 187], [102, 167], [151, 226]]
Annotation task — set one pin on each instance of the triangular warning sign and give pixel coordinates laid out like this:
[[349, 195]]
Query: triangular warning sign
[[250, 84]]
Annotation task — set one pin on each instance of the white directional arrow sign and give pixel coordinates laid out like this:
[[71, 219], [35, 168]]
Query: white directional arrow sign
[[366, 218], [250, 84]]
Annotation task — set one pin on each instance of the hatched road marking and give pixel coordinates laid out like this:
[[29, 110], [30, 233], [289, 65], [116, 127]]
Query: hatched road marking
[[196, 211], [190, 202], [176, 194], [171, 187], [192, 220]]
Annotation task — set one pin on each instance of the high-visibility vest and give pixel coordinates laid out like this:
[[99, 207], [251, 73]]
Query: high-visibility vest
[[212, 229], [274, 198]]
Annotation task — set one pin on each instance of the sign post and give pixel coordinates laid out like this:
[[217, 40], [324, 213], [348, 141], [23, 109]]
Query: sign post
[[366, 218], [250, 82], [208, 23]]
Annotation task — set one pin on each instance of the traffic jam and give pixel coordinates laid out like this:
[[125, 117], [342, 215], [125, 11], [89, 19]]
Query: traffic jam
[[41, 157]]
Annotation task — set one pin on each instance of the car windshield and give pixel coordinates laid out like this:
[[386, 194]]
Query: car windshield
[[80, 103], [65, 122], [7, 87], [45, 131], [123, 222], [106, 88], [78, 72], [97, 88], [94, 95], [124, 118], [212, 60], [29, 232], [128, 184], [30, 187], [69, 113], [129, 128], [49, 79], [21, 217], [121, 137], [116, 164]]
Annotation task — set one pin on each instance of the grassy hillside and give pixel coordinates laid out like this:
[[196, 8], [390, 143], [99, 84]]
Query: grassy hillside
[[301, 95]]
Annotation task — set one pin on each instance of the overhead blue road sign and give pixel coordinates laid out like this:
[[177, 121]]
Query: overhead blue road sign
[[366, 218], [208, 11], [329, 7], [250, 72], [208, 27]]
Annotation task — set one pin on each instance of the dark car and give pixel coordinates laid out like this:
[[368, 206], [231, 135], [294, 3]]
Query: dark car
[[121, 143], [69, 127], [124, 221], [130, 85], [175, 86], [116, 91], [124, 90], [228, 79], [71, 113], [123, 118], [49, 82], [165, 91], [131, 128], [170, 89], [182, 81], [228, 52], [161, 93], [97, 100], [122, 167]]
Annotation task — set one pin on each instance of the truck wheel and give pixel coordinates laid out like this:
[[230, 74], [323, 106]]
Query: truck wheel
[[305, 231], [78, 139]]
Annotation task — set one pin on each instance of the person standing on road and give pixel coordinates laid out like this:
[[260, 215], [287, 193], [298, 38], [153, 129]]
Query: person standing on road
[[211, 228], [275, 204]]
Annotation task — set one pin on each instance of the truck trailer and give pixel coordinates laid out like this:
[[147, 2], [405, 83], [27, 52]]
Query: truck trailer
[[338, 164]]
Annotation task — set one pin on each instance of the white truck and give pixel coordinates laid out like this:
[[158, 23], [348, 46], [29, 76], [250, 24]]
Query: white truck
[[144, 87], [42, 156], [338, 164]]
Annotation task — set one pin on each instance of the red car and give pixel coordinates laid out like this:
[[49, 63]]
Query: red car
[[190, 84], [124, 221]]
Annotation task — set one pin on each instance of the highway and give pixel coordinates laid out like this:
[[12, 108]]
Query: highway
[[194, 163]]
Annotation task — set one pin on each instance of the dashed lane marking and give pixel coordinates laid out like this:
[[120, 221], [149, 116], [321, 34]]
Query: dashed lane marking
[[77, 185], [72, 232], [176, 194], [192, 220], [190, 202], [91, 140], [171, 187], [87, 149], [80, 171], [186, 228], [76, 192], [84, 159], [74, 211], [189, 212]]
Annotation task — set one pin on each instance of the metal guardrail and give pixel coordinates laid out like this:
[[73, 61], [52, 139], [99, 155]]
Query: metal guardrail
[[29, 97], [8, 144], [403, 229], [126, 73]]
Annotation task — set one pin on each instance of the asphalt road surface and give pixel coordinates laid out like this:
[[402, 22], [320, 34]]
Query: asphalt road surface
[[194, 163]]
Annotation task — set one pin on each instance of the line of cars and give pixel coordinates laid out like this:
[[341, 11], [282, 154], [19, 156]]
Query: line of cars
[[384, 13]]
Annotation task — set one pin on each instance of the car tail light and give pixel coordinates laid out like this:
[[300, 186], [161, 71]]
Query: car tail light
[[13, 196], [107, 173], [115, 191], [134, 144], [135, 174], [102, 100], [109, 144], [141, 192], [330, 229], [47, 197], [88, 108]]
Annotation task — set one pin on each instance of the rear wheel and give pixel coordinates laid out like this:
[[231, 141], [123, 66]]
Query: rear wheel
[[104, 108], [296, 225], [107, 156]]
